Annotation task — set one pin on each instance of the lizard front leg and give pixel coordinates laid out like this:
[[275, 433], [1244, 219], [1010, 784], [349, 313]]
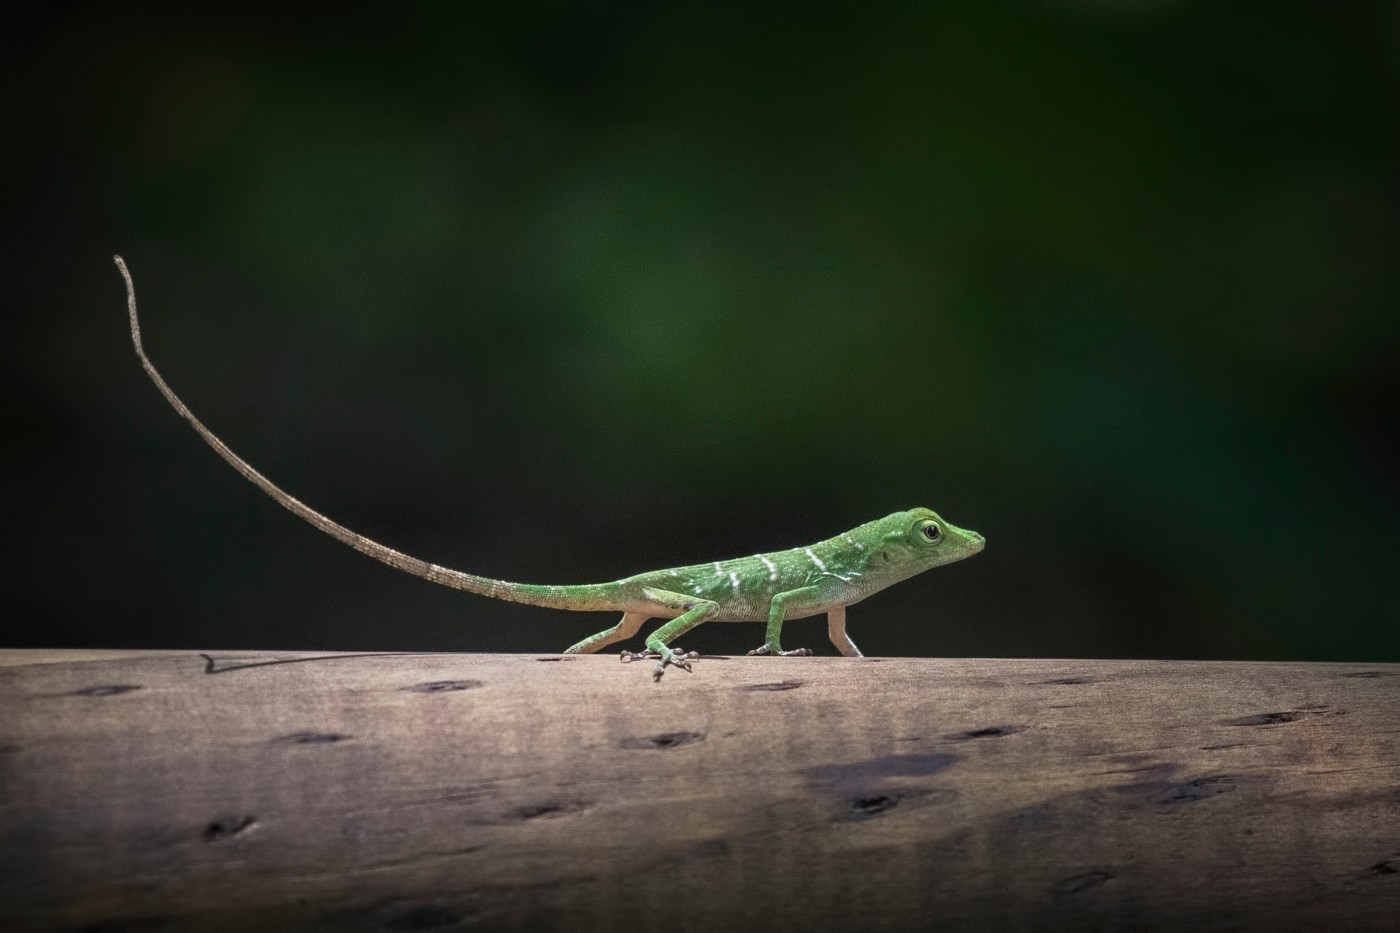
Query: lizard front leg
[[805, 597], [836, 629]]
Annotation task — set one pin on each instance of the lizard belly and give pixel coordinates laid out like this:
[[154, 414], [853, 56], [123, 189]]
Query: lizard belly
[[742, 590], [759, 613]]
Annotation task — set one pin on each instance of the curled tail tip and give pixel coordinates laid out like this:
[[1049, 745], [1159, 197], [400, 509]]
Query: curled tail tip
[[130, 303], [126, 275]]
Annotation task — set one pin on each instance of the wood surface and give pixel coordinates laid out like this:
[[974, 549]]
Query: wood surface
[[239, 790]]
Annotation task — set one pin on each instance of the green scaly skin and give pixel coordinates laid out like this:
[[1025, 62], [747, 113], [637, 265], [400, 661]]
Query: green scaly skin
[[825, 577]]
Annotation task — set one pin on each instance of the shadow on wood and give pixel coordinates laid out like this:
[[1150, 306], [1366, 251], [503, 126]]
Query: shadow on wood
[[390, 791]]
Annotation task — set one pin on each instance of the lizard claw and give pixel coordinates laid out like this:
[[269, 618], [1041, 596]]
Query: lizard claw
[[794, 653], [679, 659]]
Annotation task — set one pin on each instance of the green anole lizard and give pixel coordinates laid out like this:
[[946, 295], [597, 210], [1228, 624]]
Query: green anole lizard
[[825, 577]]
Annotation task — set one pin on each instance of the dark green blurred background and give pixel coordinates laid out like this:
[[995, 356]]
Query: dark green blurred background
[[560, 292]]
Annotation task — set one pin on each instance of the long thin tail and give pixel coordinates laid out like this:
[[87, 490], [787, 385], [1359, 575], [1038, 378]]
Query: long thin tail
[[552, 597]]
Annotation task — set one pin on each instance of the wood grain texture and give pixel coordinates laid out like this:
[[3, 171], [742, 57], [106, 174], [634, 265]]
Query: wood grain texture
[[162, 790]]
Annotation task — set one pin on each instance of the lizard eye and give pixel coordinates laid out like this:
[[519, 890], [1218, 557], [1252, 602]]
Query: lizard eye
[[931, 531]]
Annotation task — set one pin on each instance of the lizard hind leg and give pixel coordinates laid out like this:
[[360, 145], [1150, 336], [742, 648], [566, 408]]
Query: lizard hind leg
[[692, 611], [625, 628]]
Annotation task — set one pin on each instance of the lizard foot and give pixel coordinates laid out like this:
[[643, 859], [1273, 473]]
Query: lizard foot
[[679, 659], [794, 653]]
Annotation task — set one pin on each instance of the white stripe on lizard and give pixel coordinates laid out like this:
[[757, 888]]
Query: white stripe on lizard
[[772, 567]]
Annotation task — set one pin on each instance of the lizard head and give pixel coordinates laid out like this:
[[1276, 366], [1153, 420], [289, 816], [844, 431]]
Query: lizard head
[[919, 539]]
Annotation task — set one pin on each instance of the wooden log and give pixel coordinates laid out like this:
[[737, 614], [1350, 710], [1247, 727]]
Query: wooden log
[[227, 790]]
